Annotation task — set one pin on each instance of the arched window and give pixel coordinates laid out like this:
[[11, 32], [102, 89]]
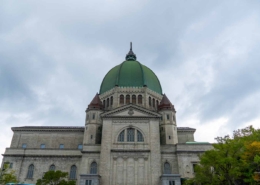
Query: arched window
[[153, 102], [127, 99], [140, 99], [108, 102], [157, 103], [130, 135], [122, 99], [104, 103], [30, 171], [111, 100], [73, 172], [150, 101], [140, 137], [52, 167], [121, 136], [167, 168], [134, 99], [93, 168]]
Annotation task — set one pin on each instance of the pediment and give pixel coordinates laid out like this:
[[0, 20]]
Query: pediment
[[130, 111]]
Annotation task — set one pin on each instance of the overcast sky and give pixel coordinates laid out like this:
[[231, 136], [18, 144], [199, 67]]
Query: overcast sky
[[54, 55]]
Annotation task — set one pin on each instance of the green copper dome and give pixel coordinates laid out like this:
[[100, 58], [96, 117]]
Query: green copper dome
[[130, 73]]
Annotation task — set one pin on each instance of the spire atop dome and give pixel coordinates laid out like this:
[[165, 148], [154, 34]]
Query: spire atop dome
[[166, 104], [130, 55]]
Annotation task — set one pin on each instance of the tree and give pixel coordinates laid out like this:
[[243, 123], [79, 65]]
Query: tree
[[232, 161], [7, 175], [55, 178]]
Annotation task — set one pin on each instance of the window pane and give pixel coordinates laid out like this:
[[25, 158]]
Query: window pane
[[121, 136], [80, 147], [133, 99], [139, 136], [73, 170], [30, 171], [130, 135], [93, 168], [121, 99], [52, 168], [24, 145], [167, 168], [61, 146], [140, 99], [108, 102], [42, 145], [127, 99]]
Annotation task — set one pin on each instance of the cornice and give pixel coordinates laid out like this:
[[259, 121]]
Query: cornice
[[129, 151], [48, 128], [22, 155]]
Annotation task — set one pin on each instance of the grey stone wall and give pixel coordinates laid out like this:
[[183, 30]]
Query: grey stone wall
[[41, 165]]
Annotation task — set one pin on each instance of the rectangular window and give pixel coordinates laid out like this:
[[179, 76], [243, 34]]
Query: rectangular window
[[171, 182], [168, 116], [93, 116], [42, 145], [80, 147], [61, 146], [169, 137], [24, 145], [88, 182], [11, 165]]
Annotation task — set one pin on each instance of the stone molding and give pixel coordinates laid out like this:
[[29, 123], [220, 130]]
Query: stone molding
[[133, 107], [28, 155], [130, 151], [130, 121], [49, 129]]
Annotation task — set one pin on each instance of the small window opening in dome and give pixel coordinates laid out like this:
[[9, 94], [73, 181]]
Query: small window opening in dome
[[122, 99], [107, 102], [140, 99], [127, 98], [111, 100], [133, 99]]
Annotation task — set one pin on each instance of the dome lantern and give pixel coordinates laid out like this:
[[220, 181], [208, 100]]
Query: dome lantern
[[130, 56]]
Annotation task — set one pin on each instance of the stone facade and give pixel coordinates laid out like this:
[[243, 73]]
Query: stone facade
[[130, 137], [117, 162]]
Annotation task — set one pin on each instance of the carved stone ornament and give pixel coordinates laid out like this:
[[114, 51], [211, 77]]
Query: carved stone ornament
[[131, 112]]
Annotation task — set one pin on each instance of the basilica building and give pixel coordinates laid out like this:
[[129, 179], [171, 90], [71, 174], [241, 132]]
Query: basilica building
[[130, 137]]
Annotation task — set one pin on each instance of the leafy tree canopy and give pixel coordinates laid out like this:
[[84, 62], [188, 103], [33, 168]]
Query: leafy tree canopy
[[7, 175], [55, 178], [233, 160]]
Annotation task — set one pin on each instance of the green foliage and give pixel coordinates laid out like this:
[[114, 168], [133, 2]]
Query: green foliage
[[232, 161], [55, 178], [7, 175]]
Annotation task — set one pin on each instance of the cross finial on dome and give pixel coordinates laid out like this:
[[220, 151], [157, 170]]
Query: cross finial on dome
[[130, 55]]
